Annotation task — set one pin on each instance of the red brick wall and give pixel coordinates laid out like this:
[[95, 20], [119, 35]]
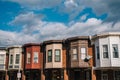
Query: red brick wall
[[90, 52], [31, 50], [64, 58]]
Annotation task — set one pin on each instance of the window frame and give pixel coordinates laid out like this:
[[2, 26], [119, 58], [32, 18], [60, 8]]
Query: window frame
[[49, 60], [81, 53], [115, 74], [105, 52], [28, 58], [98, 52], [114, 52], [16, 59], [74, 55], [11, 59], [2, 60], [58, 56], [35, 58]]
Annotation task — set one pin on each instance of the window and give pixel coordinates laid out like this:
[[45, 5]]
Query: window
[[28, 58], [57, 55], [105, 51], [117, 75], [2, 58], [17, 58], [11, 59], [75, 55], [83, 53], [104, 77], [88, 75], [35, 57], [115, 50], [49, 55], [97, 51]]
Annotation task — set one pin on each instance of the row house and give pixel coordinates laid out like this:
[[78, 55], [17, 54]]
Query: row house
[[3, 63], [79, 58], [107, 55], [75, 58], [15, 63], [33, 64], [54, 60]]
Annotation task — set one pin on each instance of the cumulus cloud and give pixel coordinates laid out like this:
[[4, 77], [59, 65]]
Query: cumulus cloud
[[40, 30], [28, 21]]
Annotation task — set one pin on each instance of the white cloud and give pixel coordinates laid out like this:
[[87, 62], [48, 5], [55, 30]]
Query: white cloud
[[70, 3], [40, 30]]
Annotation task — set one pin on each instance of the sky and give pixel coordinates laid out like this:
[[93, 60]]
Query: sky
[[29, 21]]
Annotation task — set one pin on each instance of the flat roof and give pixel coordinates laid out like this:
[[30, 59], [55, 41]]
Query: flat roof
[[78, 38], [105, 34], [52, 41], [31, 44]]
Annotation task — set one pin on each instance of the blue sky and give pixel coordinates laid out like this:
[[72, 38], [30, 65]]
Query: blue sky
[[24, 21]]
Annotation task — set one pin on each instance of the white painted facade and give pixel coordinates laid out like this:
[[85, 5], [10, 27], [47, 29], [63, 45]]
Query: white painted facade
[[53, 64], [108, 39], [13, 51], [2, 59]]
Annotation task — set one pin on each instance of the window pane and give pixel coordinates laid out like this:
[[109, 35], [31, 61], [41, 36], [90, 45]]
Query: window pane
[[83, 53], [49, 55], [74, 57], [17, 58], [117, 75], [105, 51], [28, 58], [2, 58], [74, 54], [57, 55], [115, 50], [35, 57], [83, 50], [11, 59], [97, 50]]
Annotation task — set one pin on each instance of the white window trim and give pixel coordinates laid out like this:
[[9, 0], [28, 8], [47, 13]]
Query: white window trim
[[74, 53], [27, 58], [3, 58], [82, 53], [36, 53], [10, 59], [117, 49], [19, 59], [107, 51]]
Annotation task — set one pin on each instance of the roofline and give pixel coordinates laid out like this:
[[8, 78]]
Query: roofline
[[52, 41], [15, 46], [101, 35], [3, 48], [31, 44], [78, 38]]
